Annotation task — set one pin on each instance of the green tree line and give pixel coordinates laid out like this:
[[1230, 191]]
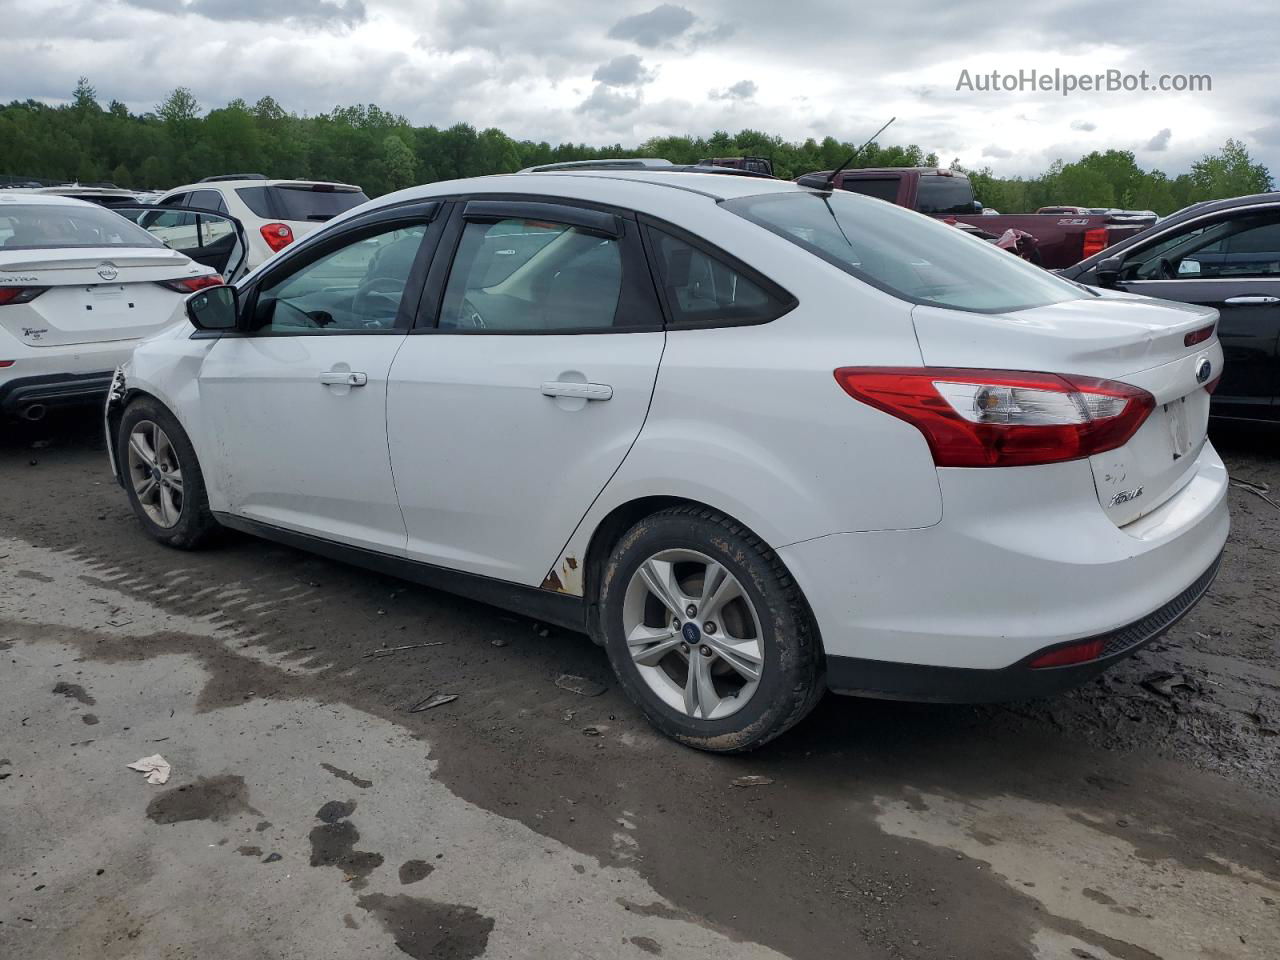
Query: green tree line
[[179, 142]]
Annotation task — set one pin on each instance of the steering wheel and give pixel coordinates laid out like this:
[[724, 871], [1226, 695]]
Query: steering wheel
[[469, 316], [388, 290]]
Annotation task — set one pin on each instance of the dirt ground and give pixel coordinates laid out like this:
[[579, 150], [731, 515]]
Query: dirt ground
[[312, 813]]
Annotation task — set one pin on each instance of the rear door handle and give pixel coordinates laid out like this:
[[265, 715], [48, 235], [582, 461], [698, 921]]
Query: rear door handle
[[348, 378], [580, 391], [1244, 301]]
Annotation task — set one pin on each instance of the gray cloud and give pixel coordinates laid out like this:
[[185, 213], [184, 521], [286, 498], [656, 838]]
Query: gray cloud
[[1160, 141], [607, 103], [742, 90], [659, 26], [624, 71], [1083, 125], [319, 12], [996, 151]]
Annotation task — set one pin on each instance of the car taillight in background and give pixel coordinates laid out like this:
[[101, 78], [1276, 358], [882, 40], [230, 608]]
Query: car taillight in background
[[1095, 241], [192, 284], [15, 295], [1003, 418], [277, 235]]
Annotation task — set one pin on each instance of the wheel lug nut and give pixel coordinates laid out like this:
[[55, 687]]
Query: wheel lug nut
[[704, 650], [684, 648], [708, 627], [675, 624], [691, 611]]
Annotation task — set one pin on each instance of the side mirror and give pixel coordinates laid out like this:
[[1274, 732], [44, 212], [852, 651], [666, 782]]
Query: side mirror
[[977, 206], [214, 308], [1108, 271], [1189, 268]]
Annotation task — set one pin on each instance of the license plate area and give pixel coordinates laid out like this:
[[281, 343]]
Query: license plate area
[[108, 298], [1180, 439]]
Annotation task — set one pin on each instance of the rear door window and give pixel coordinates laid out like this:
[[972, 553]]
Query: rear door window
[[207, 200], [703, 289], [882, 188], [941, 195]]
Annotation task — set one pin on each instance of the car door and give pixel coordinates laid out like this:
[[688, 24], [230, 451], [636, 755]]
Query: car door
[[523, 384], [1232, 262], [210, 237], [297, 399]]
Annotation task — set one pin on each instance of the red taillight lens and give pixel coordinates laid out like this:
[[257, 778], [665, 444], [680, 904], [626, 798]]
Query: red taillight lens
[[6, 363], [1003, 418], [1198, 336], [10, 295], [192, 284], [1212, 385], [1081, 652], [1095, 241], [277, 235]]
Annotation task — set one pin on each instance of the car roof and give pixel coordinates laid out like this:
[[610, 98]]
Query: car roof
[[27, 196], [256, 182], [716, 186]]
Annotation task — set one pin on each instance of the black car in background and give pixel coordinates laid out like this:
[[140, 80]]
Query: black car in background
[[1223, 254]]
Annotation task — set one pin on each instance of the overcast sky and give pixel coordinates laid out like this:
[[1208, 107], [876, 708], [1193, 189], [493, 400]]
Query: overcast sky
[[626, 71]]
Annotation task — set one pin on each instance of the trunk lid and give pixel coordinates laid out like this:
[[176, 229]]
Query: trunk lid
[[1115, 336], [94, 295]]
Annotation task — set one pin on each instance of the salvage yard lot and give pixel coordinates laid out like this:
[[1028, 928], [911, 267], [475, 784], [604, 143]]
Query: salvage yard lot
[[310, 813]]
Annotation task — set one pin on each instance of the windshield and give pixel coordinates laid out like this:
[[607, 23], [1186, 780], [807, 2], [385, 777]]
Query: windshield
[[48, 226], [910, 256]]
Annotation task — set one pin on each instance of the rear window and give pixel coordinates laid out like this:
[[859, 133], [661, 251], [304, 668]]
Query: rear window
[[52, 226], [916, 258], [940, 195], [299, 203]]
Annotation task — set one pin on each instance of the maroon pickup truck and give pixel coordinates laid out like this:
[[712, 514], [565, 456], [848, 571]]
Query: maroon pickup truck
[[1061, 240]]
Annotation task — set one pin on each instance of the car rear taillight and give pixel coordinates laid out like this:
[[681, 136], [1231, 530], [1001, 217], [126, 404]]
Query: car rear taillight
[[1198, 336], [1095, 241], [6, 363], [1064, 656], [192, 284], [10, 295], [1212, 385], [1003, 418], [277, 235]]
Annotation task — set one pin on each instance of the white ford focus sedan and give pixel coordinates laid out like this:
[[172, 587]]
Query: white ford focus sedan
[[758, 441]]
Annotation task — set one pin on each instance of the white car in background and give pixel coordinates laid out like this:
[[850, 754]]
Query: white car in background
[[757, 440], [79, 286], [275, 213]]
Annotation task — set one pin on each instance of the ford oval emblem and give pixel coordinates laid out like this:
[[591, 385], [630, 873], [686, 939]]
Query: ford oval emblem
[[108, 271], [1204, 369]]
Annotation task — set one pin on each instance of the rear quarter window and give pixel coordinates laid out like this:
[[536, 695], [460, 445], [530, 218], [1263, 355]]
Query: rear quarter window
[[703, 288]]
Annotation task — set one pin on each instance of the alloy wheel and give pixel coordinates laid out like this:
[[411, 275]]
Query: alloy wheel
[[693, 634], [155, 473]]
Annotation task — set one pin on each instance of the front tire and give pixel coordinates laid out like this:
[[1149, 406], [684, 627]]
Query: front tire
[[162, 476], [707, 631]]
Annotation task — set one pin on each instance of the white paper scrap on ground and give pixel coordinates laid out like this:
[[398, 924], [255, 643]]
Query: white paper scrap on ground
[[155, 767]]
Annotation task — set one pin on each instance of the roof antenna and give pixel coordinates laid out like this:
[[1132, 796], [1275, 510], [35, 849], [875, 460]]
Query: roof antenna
[[831, 180]]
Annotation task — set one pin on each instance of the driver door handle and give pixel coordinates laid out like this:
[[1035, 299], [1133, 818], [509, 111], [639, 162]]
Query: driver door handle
[[1242, 301], [349, 378], [580, 391]]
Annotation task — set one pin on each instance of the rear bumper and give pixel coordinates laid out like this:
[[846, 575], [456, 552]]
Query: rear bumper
[[1021, 562], [53, 390], [908, 681]]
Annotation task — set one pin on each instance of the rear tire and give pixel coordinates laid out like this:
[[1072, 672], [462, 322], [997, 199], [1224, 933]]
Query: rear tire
[[750, 670], [162, 476]]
